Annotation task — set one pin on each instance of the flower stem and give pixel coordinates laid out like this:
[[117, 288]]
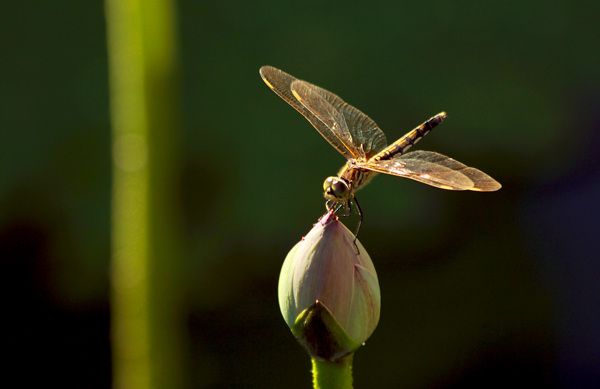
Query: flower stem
[[332, 374], [146, 317]]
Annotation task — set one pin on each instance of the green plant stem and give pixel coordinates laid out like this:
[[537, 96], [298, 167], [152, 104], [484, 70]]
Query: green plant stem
[[332, 375], [146, 315]]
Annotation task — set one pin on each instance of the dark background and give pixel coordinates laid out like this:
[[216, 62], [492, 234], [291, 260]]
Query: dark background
[[494, 289]]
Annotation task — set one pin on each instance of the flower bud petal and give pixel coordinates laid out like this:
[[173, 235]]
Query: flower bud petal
[[367, 301]]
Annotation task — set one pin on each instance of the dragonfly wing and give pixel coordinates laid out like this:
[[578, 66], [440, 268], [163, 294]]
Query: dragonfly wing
[[337, 130], [436, 170], [364, 130], [361, 138], [365, 135], [281, 83]]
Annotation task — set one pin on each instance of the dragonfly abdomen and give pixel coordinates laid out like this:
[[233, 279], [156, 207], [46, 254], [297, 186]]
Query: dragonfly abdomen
[[407, 141]]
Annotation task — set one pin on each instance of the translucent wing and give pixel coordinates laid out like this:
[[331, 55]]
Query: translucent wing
[[335, 123], [365, 135], [436, 170], [281, 83], [347, 129]]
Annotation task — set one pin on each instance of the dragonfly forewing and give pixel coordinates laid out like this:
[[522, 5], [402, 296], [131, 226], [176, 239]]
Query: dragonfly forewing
[[281, 83], [351, 132], [365, 134], [307, 94]]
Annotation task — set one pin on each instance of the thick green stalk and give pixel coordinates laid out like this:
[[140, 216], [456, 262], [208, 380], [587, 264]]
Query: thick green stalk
[[332, 374], [145, 296]]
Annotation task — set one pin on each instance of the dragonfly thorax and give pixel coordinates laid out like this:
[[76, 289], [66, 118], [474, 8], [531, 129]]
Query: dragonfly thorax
[[336, 189]]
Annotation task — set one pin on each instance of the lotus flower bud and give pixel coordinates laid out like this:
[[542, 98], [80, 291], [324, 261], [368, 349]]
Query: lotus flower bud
[[328, 291]]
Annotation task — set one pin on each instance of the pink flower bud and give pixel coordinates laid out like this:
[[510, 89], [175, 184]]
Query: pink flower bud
[[324, 270]]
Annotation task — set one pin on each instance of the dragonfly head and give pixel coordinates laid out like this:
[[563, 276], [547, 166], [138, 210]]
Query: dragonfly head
[[336, 189]]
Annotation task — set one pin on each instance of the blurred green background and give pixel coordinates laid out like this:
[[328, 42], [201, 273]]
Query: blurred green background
[[490, 289]]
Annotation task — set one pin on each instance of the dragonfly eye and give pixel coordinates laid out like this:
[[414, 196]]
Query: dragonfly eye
[[336, 189]]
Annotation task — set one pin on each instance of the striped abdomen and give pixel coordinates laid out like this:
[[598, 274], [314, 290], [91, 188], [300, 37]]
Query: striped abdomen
[[401, 145]]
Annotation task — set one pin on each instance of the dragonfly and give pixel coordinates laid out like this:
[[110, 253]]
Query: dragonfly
[[358, 138]]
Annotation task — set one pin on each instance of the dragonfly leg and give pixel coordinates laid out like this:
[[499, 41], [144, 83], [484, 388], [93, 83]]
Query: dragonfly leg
[[348, 206], [335, 206], [359, 211], [360, 214]]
